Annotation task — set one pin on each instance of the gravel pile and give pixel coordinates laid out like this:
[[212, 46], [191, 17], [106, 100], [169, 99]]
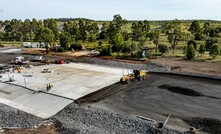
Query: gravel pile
[[82, 119], [12, 117], [153, 67]]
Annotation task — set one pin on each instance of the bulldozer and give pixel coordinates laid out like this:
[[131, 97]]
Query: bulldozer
[[135, 74]]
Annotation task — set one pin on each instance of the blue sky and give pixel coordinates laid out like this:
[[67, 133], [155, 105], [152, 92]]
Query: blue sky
[[105, 9]]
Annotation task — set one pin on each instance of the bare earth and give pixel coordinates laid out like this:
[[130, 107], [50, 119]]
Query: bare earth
[[189, 66]]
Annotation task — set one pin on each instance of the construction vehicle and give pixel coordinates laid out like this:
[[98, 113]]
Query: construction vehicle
[[38, 58], [194, 130], [135, 74], [20, 60], [47, 71]]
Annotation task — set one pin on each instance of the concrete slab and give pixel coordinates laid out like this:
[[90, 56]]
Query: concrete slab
[[39, 104], [72, 81]]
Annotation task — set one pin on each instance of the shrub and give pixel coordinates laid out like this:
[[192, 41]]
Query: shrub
[[163, 48], [184, 49], [190, 54], [61, 49], [193, 43], [214, 51], [210, 42], [76, 46], [106, 50], [202, 49]]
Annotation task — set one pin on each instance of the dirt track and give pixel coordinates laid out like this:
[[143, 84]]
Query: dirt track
[[161, 95]]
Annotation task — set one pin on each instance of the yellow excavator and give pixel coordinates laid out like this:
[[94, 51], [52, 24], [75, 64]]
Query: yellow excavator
[[136, 74]]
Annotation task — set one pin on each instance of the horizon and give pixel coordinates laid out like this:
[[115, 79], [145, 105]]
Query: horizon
[[98, 10]]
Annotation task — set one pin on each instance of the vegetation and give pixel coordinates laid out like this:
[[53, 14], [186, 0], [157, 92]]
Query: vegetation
[[214, 51], [163, 48], [119, 36], [190, 53]]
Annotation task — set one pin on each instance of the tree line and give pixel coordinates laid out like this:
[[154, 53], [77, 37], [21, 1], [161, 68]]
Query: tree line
[[118, 35]]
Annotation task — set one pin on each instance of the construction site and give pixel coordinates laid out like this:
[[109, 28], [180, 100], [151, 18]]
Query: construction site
[[60, 94]]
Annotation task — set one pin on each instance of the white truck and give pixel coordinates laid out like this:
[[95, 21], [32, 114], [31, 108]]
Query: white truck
[[26, 44]]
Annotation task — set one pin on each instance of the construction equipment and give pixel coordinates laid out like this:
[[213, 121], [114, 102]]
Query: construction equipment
[[47, 71], [38, 58], [20, 60], [135, 74], [194, 130]]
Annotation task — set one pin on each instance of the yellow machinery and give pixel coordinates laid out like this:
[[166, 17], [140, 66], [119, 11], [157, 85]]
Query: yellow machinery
[[194, 130], [136, 74]]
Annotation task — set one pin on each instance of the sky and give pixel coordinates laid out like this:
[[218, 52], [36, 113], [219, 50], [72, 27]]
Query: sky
[[106, 9]]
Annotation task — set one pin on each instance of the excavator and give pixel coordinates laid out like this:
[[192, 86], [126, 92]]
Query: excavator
[[135, 74]]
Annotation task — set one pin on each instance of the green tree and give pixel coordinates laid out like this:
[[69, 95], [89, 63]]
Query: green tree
[[155, 37], [116, 26], [26, 30], [202, 49], [117, 42], [174, 32], [82, 29], [163, 48], [210, 42], [65, 40], [52, 25], [214, 50], [206, 28], [196, 30], [45, 35], [140, 29], [192, 42], [190, 54], [128, 47], [75, 32]]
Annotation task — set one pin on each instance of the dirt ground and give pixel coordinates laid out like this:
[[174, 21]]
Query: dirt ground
[[175, 63], [185, 98], [179, 64]]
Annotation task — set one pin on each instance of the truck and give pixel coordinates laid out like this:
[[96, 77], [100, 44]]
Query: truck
[[26, 44]]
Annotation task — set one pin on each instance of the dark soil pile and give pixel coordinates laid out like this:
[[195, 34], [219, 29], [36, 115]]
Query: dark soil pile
[[208, 125]]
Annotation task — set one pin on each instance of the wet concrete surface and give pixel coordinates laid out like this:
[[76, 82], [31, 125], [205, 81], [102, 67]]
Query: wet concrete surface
[[184, 97]]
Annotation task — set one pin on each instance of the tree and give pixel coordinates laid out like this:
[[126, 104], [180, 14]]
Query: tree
[[155, 37], [210, 42], [214, 50], [192, 42], [128, 47], [140, 29], [196, 30], [26, 30], [52, 25], [202, 49], [163, 48], [206, 28], [82, 29], [174, 32], [117, 42], [75, 32], [45, 35], [65, 40], [190, 54], [116, 26]]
